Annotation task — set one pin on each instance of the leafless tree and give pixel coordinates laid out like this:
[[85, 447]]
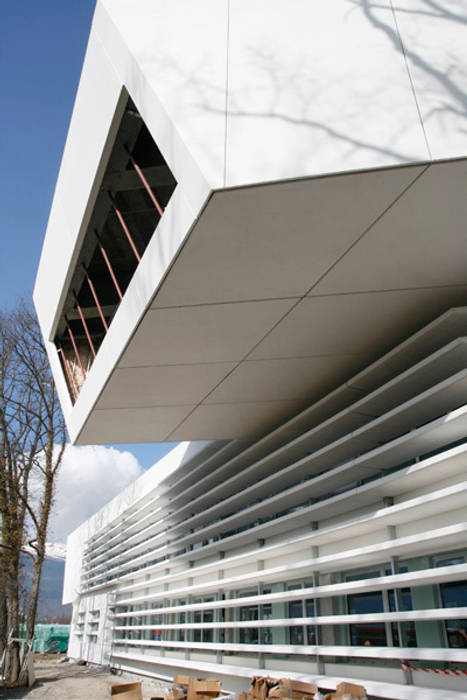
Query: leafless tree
[[32, 442]]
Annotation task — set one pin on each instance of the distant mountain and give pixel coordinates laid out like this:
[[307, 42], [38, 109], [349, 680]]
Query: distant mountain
[[50, 608]]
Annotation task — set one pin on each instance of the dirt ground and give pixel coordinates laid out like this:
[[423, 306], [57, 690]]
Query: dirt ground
[[68, 681]]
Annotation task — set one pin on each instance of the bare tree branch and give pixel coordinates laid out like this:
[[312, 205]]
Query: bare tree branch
[[32, 443]]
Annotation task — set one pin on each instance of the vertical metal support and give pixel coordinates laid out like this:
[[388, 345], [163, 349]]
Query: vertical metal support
[[408, 678], [125, 228], [109, 265], [165, 621], [388, 625], [260, 655], [72, 338], [85, 326], [93, 292], [304, 614], [317, 610], [66, 369], [145, 183], [189, 632], [219, 635]]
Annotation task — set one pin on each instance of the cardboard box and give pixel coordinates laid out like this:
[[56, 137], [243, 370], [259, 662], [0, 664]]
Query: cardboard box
[[127, 691], [175, 694], [260, 686], [182, 680], [277, 690], [355, 691], [199, 686], [203, 689], [208, 686], [288, 688], [303, 689]]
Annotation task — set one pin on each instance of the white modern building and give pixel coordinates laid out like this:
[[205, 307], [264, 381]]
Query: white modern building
[[257, 242]]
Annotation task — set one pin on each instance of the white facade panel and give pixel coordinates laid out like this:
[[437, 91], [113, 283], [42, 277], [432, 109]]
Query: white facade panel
[[179, 55], [438, 80], [307, 100]]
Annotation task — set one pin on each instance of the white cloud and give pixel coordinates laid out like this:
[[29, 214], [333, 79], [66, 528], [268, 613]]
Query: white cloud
[[55, 550], [89, 477]]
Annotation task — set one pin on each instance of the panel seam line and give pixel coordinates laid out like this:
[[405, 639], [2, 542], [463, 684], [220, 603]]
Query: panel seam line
[[226, 104], [412, 85]]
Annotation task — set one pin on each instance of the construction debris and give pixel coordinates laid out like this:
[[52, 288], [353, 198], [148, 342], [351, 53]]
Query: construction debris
[[265, 688], [189, 688], [347, 691], [127, 691], [261, 688]]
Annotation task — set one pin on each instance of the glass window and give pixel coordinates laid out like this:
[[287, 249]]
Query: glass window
[[197, 618], [454, 595], [208, 616], [266, 614], [296, 631], [310, 630], [405, 599], [363, 575], [181, 619], [452, 561], [367, 634], [301, 634], [360, 603], [181, 633], [409, 637], [249, 635], [200, 616]]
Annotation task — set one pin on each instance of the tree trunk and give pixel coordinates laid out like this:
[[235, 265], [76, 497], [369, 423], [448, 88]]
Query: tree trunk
[[41, 536], [3, 610], [12, 661], [34, 596]]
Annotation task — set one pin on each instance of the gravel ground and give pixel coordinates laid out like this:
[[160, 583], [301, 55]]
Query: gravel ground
[[68, 681]]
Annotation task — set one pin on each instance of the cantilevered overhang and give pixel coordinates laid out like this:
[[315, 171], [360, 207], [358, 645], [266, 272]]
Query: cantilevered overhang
[[316, 215], [279, 293]]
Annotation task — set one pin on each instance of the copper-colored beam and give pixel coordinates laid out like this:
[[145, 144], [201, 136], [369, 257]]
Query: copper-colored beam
[[109, 265], [72, 338], [125, 228], [68, 376], [85, 326], [93, 292], [145, 183]]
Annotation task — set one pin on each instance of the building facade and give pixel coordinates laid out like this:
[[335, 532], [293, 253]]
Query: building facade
[[257, 241], [335, 545]]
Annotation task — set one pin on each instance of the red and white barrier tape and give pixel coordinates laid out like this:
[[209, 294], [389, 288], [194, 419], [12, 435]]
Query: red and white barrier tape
[[440, 671]]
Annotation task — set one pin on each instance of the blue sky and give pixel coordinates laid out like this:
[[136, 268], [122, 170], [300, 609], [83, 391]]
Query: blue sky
[[41, 54]]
